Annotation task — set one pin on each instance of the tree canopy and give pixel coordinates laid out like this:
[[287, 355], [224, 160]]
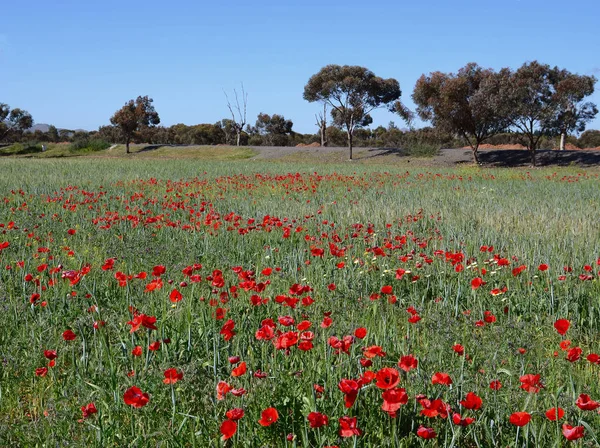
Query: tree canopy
[[134, 116], [15, 120]]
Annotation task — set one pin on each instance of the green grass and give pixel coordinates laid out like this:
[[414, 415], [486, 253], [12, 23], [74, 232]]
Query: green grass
[[229, 213]]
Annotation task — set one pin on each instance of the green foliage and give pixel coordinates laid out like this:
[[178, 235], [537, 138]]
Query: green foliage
[[89, 145]]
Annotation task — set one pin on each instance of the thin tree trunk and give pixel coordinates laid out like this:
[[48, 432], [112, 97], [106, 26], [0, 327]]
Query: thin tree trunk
[[350, 143], [239, 134], [562, 141], [476, 154], [324, 126], [127, 146], [532, 155]]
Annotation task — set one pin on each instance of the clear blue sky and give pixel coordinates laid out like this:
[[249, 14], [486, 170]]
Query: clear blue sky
[[72, 63]]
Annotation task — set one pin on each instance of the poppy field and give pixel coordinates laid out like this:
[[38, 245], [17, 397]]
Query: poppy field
[[211, 304]]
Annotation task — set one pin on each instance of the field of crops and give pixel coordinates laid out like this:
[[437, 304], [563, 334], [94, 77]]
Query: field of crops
[[256, 304]]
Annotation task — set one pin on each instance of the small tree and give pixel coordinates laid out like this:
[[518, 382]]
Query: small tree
[[463, 103], [15, 120], [353, 92], [238, 112], [134, 116], [275, 128], [322, 125]]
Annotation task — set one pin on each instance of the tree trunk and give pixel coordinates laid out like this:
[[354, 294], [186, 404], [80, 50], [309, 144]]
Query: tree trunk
[[127, 146], [324, 126], [239, 134], [350, 143], [562, 141], [476, 154], [532, 155]]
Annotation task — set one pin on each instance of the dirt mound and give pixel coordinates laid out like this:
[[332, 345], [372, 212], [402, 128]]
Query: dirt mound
[[311, 145]]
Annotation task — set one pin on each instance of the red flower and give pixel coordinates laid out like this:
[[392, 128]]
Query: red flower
[[222, 390], [360, 333], [585, 403], [574, 354], [387, 289], [531, 383], [373, 351], [561, 326], [393, 399], [520, 418], [159, 270], [495, 385], [316, 419], [239, 370], [459, 421], [68, 335], [477, 282], [137, 351], [350, 390], [426, 433], [88, 410], [572, 432], [235, 414], [155, 346], [41, 371], [434, 408], [458, 349], [408, 362], [268, 417], [554, 414], [135, 397], [387, 378], [50, 354], [441, 378], [472, 401], [287, 340], [543, 267], [172, 376], [348, 427], [227, 330], [175, 296], [593, 358], [228, 429]]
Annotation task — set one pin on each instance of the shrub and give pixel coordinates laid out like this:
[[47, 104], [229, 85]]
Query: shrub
[[89, 145]]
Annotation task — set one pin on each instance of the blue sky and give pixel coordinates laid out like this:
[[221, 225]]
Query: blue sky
[[72, 63]]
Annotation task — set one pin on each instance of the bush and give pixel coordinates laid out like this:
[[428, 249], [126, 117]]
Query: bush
[[89, 145], [422, 149]]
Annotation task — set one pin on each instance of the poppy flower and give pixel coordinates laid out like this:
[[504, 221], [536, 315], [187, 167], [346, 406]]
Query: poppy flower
[[531, 383], [228, 429], [426, 433], [387, 289], [373, 351], [155, 346], [458, 420], [593, 358], [175, 296], [348, 427], [304, 325], [88, 409], [561, 326], [554, 414], [268, 417], [434, 408], [350, 390], [574, 354], [222, 390], [572, 432], [387, 378], [408, 362], [239, 370], [472, 401], [584, 402], [287, 340], [393, 399], [50, 354], [316, 419], [458, 349], [41, 371], [520, 418], [135, 397], [68, 335], [476, 283], [235, 414], [441, 378], [172, 376], [360, 333]]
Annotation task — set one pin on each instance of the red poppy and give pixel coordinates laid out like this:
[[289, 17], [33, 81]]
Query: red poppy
[[434, 408], [287, 340], [50, 354], [239, 370], [227, 330], [41, 371], [561, 326], [393, 399], [68, 335], [572, 432], [235, 414], [387, 378], [88, 410], [316, 419], [348, 427], [155, 346], [458, 349], [426, 433], [574, 354], [350, 390], [520, 418], [175, 296], [593, 358], [360, 333], [304, 325], [373, 351], [327, 321], [441, 378], [228, 429], [554, 414], [476, 283], [408, 362], [472, 401], [159, 270], [135, 397], [458, 420], [172, 376], [137, 351], [543, 267], [531, 383], [222, 390], [564, 345], [387, 289], [585, 403], [286, 321], [268, 417]]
